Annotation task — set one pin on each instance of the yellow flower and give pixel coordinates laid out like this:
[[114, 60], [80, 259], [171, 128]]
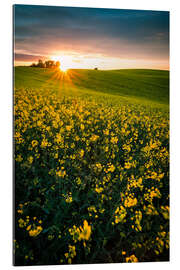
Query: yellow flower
[[99, 190], [150, 210], [61, 173], [28, 228], [72, 251], [127, 147], [22, 223], [69, 199], [34, 143], [58, 138], [82, 126], [111, 168], [130, 201], [120, 214], [35, 231], [137, 218], [92, 209], [68, 128], [30, 160], [99, 166], [165, 211], [39, 123], [94, 138], [81, 153], [127, 165], [44, 143], [19, 158], [85, 232], [132, 258], [78, 180], [114, 140], [71, 254]]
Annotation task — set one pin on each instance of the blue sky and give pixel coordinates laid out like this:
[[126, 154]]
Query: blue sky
[[83, 37]]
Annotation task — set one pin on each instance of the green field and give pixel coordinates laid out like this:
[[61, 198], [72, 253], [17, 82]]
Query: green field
[[142, 85], [91, 166]]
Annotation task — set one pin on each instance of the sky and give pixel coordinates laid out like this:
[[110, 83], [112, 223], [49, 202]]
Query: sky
[[91, 37]]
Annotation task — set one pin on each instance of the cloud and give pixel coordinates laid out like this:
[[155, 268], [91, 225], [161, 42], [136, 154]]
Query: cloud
[[28, 57], [110, 32]]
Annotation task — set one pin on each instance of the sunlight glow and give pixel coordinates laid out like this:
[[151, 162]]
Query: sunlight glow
[[63, 68], [91, 61], [65, 63]]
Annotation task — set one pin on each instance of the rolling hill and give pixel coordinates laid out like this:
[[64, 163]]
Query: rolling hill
[[139, 84]]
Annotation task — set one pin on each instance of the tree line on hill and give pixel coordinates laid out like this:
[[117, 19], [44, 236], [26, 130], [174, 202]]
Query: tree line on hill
[[46, 64]]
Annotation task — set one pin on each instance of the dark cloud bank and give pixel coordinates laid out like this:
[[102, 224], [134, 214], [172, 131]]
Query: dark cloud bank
[[110, 32]]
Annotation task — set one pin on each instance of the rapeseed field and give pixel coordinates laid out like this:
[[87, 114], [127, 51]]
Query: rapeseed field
[[91, 177]]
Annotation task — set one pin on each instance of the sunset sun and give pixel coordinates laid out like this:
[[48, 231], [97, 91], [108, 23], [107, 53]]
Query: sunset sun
[[64, 62], [63, 68]]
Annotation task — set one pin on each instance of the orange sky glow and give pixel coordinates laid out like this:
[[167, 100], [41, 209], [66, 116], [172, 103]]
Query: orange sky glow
[[85, 38], [102, 62]]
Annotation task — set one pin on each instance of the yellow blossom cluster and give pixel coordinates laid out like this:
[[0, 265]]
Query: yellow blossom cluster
[[33, 232], [71, 254], [131, 259], [120, 214], [137, 221], [130, 201], [80, 157], [68, 197], [81, 233], [33, 226]]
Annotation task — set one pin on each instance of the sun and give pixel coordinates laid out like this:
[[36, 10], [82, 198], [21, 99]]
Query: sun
[[64, 62], [63, 68]]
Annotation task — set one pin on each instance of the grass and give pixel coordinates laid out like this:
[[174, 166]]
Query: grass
[[142, 84], [92, 154]]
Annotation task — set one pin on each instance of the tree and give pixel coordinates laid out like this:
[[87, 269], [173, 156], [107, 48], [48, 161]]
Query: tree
[[52, 63], [40, 63], [49, 64], [57, 64], [46, 64], [33, 65]]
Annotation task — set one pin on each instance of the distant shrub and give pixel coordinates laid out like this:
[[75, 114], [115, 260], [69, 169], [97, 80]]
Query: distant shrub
[[46, 64]]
